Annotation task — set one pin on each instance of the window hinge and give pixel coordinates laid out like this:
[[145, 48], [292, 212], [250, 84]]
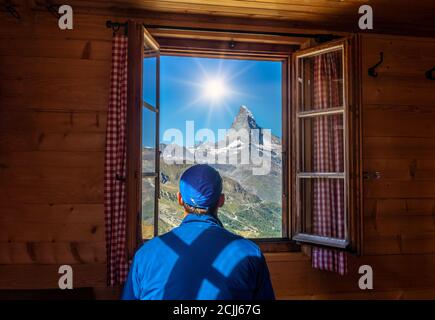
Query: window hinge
[[373, 175]]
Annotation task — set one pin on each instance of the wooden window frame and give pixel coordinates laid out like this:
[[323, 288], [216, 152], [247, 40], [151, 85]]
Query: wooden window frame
[[352, 146], [134, 113], [253, 51], [245, 51]]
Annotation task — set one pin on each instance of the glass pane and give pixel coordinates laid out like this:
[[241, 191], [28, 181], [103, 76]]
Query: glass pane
[[170, 212], [148, 203], [321, 144], [320, 81], [244, 212], [251, 164], [150, 80], [148, 140], [322, 207]]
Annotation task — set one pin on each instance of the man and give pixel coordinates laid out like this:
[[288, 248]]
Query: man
[[199, 259]]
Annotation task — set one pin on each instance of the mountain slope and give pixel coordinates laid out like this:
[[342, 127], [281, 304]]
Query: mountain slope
[[253, 202]]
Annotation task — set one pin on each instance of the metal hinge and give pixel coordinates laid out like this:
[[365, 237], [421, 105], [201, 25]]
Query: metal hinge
[[372, 175]]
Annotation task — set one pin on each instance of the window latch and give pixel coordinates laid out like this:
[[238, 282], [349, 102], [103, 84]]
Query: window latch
[[372, 175]]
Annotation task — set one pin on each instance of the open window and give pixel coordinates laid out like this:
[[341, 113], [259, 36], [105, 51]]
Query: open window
[[142, 135], [315, 150], [326, 147], [256, 205], [150, 162]]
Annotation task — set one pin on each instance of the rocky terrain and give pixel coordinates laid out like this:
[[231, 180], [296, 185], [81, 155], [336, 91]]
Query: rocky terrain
[[253, 202]]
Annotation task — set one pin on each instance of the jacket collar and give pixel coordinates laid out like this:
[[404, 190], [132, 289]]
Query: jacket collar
[[201, 218]]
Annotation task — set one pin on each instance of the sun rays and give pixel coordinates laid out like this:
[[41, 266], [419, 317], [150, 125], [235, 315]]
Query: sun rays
[[214, 87]]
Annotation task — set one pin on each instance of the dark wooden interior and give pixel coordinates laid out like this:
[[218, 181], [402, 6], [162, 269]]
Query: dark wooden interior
[[54, 90]]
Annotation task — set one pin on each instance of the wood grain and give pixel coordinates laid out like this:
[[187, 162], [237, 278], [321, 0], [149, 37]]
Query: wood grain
[[53, 97], [320, 14], [46, 276]]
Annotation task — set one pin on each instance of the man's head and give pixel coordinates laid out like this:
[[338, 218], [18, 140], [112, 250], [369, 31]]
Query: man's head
[[201, 190]]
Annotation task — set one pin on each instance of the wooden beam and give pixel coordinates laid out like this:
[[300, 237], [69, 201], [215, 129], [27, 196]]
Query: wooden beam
[[226, 36]]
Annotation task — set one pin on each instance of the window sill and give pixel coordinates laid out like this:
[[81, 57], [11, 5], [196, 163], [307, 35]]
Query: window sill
[[321, 241], [277, 245]]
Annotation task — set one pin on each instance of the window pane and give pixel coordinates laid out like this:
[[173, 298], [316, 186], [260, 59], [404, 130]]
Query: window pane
[[244, 212], [170, 212], [219, 110], [321, 144], [148, 140], [148, 203], [320, 81], [322, 206], [150, 80]]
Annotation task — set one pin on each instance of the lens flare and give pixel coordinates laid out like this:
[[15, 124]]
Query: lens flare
[[215, 89]]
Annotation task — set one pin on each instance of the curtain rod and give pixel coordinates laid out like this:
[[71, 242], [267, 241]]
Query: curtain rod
[[318, 36], [115, 26]]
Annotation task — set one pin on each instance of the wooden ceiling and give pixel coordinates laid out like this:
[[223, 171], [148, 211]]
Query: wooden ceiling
[[390, 16]]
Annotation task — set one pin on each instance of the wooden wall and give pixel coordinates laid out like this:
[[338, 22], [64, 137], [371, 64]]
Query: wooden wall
[[398, 116], [53, 99], [53, 95]]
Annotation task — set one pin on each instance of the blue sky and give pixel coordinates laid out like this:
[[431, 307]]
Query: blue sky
[[183, 92]]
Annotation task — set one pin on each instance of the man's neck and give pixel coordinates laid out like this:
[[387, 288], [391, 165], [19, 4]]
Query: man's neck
[[213, 215]]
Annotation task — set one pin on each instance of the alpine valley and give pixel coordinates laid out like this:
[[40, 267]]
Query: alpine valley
[[252, 202]]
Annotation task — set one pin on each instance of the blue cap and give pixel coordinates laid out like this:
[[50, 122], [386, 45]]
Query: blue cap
[[201, 186]]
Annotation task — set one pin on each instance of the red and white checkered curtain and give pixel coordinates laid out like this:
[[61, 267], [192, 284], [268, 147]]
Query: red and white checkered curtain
[[115, 167], [328, 204]]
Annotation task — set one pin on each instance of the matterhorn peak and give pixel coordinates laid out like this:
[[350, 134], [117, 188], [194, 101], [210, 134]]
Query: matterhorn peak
[[244, 119]]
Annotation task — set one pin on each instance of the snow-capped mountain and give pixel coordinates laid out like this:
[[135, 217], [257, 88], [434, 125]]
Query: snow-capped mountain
[[245, 138], [258, 197]]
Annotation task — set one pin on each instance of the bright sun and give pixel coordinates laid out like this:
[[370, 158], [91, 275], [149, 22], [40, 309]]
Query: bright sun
[[215, 89]]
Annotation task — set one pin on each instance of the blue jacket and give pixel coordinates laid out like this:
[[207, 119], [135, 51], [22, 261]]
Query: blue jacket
[[198, 260]]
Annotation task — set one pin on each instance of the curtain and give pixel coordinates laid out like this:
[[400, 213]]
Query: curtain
[[328, 156], [115, 167]]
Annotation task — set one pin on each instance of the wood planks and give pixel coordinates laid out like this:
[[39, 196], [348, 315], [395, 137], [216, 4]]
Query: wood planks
[[53, 95], [52, 252], [399, 208], [295, 277], [397, 17], [46, 276], [53, 98], [54, 83], [399, 142]]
